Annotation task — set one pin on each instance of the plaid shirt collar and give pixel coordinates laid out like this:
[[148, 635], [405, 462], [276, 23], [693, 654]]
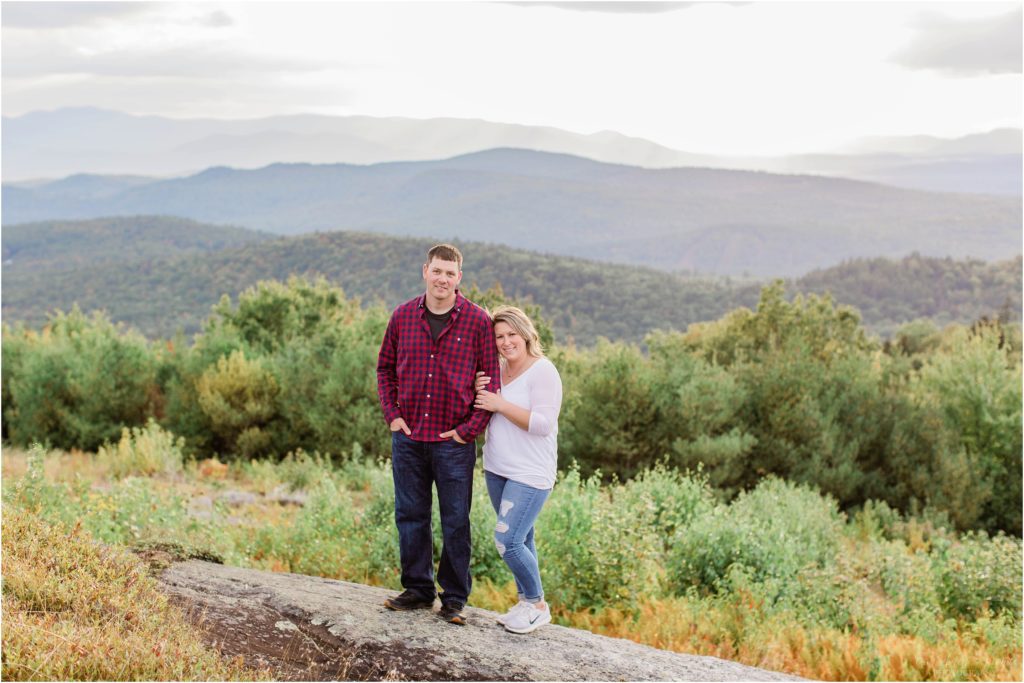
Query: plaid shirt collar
[[460, 301]]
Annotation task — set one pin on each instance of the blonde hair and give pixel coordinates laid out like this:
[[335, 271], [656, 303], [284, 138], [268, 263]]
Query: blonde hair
[[521, 323]]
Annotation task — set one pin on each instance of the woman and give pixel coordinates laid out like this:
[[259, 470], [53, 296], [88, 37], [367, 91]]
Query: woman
[[520, 456]]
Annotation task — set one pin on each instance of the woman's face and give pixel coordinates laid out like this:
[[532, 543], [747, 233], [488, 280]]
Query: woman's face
[[511, 346]]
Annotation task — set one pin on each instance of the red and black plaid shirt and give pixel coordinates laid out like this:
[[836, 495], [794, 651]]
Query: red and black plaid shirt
[[430, 384]]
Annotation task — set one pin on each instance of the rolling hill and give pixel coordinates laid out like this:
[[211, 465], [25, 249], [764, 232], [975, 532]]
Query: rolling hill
[[168, 274], [705, 220]]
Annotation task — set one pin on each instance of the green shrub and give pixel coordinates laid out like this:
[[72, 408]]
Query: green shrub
[[773, 532], [697, 406], [666, 498], [319, 539], [976, 387], [815, 421], [980, 574], [143, 452], [292, 366], [608, 414], [907, 580], [78, 383], [329, 386], [32, 491], [238, 397], [594, 549], [373, 549]]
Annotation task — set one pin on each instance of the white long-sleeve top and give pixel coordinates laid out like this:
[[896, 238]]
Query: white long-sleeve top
[[528, 456]]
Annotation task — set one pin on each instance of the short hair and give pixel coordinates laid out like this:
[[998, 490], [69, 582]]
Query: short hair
[[445, 252], [521, 323]]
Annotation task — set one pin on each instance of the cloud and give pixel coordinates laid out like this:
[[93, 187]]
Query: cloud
[[65, 14], [217, 19], [618, 7], [966, 48], [26, 59], [224, 98]]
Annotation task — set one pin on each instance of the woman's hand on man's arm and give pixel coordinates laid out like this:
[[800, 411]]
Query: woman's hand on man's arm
[[489, 401], [482, 380]]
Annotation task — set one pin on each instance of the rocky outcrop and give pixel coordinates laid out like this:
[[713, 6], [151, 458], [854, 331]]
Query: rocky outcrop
[[308, 628]]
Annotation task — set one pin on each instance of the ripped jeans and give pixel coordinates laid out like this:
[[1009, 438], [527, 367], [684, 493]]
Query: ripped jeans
[[517, 506]]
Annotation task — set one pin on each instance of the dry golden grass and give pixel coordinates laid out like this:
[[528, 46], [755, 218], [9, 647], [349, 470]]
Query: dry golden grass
[[74, 609], [740, 632], [58, 466]]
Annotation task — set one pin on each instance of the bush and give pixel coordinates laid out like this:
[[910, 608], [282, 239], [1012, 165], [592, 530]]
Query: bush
[[817, 422], [78, 383], [772, 532], [608, 413], [594, 549], [143, 452], [290, 367], [329, 387], [906, 577], [697, 405], [666, 498], [976, 387], [318, 541], [238, 397], [372, 550], [979, 574]]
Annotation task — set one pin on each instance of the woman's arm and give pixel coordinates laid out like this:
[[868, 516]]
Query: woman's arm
[[488, 400], [545, 403], [545, 400]]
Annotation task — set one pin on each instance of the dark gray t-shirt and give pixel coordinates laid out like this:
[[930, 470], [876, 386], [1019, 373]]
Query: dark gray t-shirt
[[438, 322]]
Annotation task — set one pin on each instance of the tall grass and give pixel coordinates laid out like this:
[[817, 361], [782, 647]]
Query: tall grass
[[74, 609], [779, 578]]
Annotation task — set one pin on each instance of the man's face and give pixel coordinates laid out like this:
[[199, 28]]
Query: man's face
[[442, 277]]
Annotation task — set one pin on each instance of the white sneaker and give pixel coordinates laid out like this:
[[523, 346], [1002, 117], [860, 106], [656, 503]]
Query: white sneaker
[[528, 618], [502, 619]]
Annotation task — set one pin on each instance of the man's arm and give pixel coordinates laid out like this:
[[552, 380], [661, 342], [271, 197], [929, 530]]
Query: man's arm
[[387, 374], [487, 361]]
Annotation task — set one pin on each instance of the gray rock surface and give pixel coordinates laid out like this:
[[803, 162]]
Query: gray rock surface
[[285, 496], [309, 628], [200, 507], [237, 498]]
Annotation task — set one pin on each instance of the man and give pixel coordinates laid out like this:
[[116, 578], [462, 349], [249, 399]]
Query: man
[[433, 347]]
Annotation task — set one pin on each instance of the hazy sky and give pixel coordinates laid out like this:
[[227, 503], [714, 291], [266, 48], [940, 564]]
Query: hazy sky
[[726, 78]]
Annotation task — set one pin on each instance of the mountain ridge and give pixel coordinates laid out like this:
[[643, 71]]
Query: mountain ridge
[[740, 222], [65, 141]]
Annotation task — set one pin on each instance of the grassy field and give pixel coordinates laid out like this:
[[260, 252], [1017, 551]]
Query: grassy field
[[75, 609], [778, 578]]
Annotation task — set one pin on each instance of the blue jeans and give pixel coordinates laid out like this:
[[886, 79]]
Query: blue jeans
[[517, 506], [417, 466]]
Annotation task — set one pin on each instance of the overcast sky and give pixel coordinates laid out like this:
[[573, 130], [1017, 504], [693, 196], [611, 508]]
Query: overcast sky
[[723, 78]]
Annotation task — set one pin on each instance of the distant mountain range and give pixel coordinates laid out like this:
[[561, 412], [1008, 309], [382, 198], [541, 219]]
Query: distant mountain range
[[162, 275], [55, 144], [704, 220]]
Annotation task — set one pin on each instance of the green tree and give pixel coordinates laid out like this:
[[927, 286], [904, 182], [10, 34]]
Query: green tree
[[976, 387], [79, 382]]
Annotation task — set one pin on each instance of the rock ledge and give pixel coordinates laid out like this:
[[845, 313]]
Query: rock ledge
[[308, 628]]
